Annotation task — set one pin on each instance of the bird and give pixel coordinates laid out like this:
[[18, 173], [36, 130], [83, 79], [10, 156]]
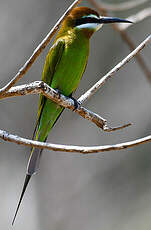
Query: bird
[[63, 69]]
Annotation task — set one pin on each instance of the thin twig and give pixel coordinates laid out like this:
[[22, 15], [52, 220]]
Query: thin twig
[[71, 148], [140, 16], [38, 50], [101, 82], [122, 6], [39, 87], [138, 57], [126, 39]]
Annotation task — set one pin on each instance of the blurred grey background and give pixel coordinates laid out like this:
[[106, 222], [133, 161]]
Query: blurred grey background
[[71, 191]]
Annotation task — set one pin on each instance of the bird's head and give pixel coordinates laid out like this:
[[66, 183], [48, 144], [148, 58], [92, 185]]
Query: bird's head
[[87, 20]]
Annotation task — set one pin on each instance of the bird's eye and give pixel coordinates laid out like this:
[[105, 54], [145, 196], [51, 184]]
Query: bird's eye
[[85, 20]]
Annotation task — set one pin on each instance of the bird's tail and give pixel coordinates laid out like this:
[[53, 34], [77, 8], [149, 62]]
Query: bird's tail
[[34, 160], [32, 167], [27, 179]]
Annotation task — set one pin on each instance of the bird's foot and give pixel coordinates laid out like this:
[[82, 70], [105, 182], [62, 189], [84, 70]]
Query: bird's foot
[[76, 103], [58, 92]]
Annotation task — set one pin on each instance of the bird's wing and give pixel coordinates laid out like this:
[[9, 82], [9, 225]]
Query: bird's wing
[[52, 60]]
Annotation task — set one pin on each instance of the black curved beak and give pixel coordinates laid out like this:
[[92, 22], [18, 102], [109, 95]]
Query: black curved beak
[[105, 20]]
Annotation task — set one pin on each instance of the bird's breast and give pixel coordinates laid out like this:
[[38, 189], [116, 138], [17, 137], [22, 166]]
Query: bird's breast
[[71, 66]]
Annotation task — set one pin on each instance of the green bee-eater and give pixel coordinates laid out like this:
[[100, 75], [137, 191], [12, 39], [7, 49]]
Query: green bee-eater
[[63, 70]]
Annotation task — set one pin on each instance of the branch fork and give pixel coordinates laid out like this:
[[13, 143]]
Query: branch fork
[[40, 87]]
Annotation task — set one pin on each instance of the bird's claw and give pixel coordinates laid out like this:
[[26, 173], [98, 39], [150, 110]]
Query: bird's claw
[[76, 103], [58, 92]]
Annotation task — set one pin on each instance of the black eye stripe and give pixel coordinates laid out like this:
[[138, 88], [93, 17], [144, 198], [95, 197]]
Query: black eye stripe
[[86, 20]]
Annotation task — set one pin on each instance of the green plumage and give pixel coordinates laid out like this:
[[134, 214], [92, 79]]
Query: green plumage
[[63, 69]]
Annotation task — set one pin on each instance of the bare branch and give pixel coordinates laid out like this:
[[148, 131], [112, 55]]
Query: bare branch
[[126, 39], [101, 82], [39, 87], [122, 6], [71, 148], [38, 50], [140, 16]]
